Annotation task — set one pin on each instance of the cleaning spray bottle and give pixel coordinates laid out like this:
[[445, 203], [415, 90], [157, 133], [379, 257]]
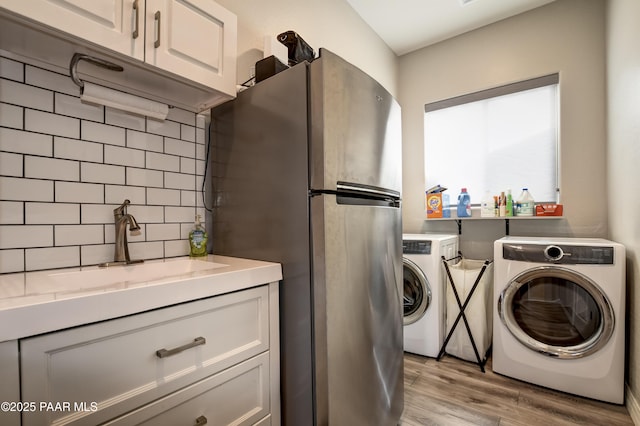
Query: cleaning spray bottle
[[197, 240]]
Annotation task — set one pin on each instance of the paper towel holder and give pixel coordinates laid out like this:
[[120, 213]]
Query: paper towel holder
[[77, 57], [113, 98]]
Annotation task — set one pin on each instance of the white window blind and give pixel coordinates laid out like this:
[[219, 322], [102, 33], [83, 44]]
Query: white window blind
[[495, 140]]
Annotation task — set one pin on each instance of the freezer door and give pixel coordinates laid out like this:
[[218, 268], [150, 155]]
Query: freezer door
[[357, 271], [356, 132]]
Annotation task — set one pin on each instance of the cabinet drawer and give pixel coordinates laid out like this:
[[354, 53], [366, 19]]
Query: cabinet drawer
[[119, 364], [236, 396]]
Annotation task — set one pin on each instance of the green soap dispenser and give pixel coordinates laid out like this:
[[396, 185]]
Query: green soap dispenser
[[197, 240]]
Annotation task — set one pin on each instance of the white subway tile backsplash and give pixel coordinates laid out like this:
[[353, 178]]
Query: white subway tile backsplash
[[182, 116], [51, 213], [188, 198], [16, 93], [116, 194], [146, 250], [65, 165], [175, 248], [96, 254], [148, 214], [188, 133], [102, 173], [52, 124], [97, 213], [179, 181], [188, 165], [144, 177], [60, 83], [74, 149], [123, 156], [51, 168], [71, 105], [124, 119], [18, 189], [164, 128], [11, 116], [52, 257], [25, 142], [11, 260], [179, 214], [179, 147], [146, 141], [72, 192], [10, 164], [163, 231], [97, 132], [75, 235], [11, 213], [163, 197], [11, 69], [166, 162], [22, 236]]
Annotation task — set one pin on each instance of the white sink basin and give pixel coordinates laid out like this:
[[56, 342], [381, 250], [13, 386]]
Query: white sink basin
[[125, 275]]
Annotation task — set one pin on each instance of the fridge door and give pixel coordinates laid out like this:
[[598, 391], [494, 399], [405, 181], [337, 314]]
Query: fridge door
[[357, 319], [355, 127]]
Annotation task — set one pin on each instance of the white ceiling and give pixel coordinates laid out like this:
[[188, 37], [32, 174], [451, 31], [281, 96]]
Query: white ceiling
[[408, 25]]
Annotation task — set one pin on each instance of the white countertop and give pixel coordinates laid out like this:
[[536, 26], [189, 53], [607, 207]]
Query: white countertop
[[39, 302]]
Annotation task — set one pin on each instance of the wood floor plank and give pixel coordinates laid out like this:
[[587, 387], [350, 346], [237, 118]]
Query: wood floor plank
[[456, 393]]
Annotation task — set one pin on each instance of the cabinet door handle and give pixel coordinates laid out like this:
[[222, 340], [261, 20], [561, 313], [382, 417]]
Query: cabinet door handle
[[202, 420], [156, 44], [136, 22], [163, 353]]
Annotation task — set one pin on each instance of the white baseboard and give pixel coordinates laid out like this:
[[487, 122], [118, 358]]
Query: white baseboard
[[633, 406]]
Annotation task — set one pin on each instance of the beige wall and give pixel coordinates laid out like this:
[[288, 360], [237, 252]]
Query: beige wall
[[567, 36], [331, 24], [623, 160]]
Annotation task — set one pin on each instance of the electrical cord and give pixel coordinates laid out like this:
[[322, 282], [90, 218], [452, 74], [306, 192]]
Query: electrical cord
[[206, 164]]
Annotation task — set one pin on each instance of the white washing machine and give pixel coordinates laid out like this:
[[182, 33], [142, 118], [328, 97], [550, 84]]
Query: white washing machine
[[424, 291], [559, 314]]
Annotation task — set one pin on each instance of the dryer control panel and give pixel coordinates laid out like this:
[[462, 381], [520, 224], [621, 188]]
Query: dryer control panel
[[559, 254], [416, 247]]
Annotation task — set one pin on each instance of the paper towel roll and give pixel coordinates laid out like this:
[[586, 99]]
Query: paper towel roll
[[101, 95]]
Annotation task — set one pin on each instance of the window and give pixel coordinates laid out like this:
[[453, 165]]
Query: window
[[495, 140]]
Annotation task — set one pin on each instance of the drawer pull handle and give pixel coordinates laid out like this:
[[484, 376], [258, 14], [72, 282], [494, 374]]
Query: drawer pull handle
[[156, 43], [202, 420], [136, 11], [163, 353]]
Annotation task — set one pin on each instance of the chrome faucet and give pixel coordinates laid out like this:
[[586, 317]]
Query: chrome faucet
[[122, 218]]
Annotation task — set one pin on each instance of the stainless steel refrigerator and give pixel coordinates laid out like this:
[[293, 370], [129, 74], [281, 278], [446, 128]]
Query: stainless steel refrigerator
[[306, 171]]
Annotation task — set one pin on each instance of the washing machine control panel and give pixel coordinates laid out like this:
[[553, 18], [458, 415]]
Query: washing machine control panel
[[559, 254], [416, 247]]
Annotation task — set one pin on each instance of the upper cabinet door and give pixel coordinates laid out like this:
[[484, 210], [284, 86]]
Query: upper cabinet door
[[195, 39], [108, 23]]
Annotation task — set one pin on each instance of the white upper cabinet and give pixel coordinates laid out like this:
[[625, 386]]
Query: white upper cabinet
[[189, 40], [195, 38], [107, 23]]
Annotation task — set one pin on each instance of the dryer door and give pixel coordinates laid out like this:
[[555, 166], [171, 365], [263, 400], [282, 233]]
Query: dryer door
[[417, 292], [556, 311]]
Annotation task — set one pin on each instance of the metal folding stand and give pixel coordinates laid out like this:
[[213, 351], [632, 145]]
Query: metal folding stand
[[462, 306]]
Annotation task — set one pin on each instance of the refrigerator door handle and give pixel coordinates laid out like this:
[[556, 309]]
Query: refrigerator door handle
[[366, 190]]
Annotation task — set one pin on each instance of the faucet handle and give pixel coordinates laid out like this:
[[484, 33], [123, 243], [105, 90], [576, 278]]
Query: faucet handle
[[122, 209]]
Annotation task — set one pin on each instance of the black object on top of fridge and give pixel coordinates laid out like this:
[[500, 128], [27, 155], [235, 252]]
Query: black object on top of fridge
[[306, 171]]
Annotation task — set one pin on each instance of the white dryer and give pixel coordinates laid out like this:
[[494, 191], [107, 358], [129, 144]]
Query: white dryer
[[424, 291], [559, 314]]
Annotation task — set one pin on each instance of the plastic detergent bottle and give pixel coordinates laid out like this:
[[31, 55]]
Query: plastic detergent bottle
[[487, 208], [464, 204], [509, 206], [525, 204]]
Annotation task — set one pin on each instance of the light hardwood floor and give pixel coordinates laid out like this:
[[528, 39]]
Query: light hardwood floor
[[455, 392]]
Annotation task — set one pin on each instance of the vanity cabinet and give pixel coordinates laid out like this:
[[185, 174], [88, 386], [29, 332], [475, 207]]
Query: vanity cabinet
[[10, 382], [212, 361], [192, 40]]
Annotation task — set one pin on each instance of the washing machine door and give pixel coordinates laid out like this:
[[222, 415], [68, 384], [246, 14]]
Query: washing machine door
[[557, 311], [417, 292]]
